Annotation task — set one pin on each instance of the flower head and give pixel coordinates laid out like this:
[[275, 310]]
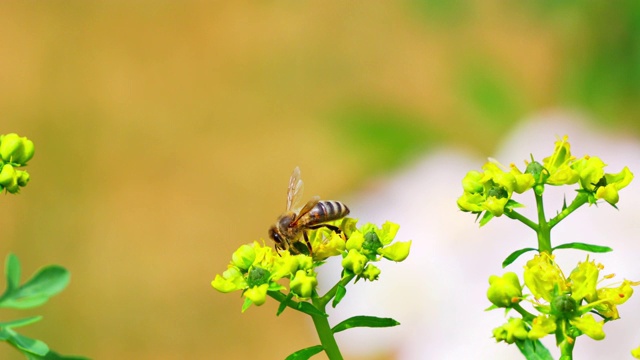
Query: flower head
[[255, 270], [569, 302], [490, 191]]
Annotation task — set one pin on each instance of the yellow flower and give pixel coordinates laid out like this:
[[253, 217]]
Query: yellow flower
[[544, 278]]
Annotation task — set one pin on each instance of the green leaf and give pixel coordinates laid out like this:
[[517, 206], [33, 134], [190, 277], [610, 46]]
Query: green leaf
[[514, 255], [585, 247], [12, 270], [364, 321], [533, 350], [341, 291], [305, 353], [20, 322], [512, 204], [307, 308], [486, 217], [245, 305], [47, 282], [25, 344]]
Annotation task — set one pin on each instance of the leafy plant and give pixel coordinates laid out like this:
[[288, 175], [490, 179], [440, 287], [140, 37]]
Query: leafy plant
[[259, 271], [562, 305], [15, 152]]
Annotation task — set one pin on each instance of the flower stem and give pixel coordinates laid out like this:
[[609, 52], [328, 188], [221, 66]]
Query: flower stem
[[564, 342], [324, 300], [525, 314], [325, 334], [580, 200], [543, 230], [523, 219]]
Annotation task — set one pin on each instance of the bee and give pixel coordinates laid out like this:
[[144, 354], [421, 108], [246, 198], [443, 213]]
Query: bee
[[289, 227]]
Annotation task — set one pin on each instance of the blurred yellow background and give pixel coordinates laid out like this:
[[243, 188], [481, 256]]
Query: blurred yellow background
[[166, 131]]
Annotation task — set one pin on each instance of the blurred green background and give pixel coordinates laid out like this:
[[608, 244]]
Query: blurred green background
[[165, 133]]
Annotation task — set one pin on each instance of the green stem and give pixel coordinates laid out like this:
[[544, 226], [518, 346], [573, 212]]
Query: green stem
[[580, 200], [325, 334], [523, 219], [565, 343], [324, 300], [544, 230], [525, 314]]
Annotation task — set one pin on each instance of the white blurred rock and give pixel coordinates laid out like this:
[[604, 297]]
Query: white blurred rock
[[438, 293]]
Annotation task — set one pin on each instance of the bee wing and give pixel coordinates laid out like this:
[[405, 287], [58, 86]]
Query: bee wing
[[307, 207], [294, 192]]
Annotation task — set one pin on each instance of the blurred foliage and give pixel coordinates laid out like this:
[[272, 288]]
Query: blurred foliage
[[383, 137]]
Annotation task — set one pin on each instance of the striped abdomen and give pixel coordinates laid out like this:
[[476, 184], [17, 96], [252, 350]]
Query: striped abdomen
[[323, 211]]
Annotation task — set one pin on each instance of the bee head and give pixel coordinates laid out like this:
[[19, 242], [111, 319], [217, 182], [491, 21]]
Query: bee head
[[274, 234]]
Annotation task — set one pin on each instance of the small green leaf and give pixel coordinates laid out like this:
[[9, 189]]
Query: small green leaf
[[20, 322], [364, 321], [305, 353], [12, 270], [26, 344], [486, 217], [307, 308], [514, 255], [245, 305], [47, 282], [585, 247], [512, 204], [533, 350], [341, 291], [283, 304], [492, 307]]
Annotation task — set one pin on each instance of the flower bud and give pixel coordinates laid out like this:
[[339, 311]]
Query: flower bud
[[504, 291], [371, 272], [564, 306], [471, 202], [511, 331], [244, 257], [471, 183], [8, 176], [23, 178], [303, 284], [16, 149], [257, 294], [354, 262]]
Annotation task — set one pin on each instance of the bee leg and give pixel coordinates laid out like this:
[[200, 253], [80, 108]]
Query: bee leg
[[330, 227], [306, 240]]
